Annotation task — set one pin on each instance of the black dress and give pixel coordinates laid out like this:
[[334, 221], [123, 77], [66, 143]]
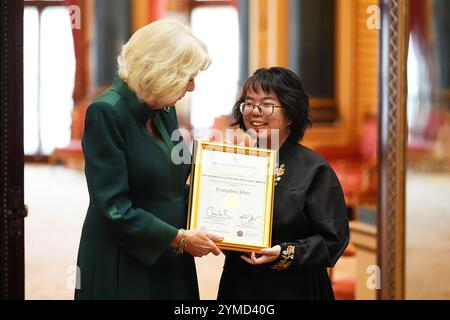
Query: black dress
[[309, 222]]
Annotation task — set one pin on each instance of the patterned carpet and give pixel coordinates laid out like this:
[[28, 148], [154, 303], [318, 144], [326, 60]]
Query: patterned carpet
[[57, 198], [52, 232], [427, 235]]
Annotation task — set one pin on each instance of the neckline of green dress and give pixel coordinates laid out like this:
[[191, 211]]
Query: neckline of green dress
[[166, 144], [143, 113]]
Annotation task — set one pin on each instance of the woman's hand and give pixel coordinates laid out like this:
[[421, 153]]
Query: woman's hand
[[267, 256], [199, 243]]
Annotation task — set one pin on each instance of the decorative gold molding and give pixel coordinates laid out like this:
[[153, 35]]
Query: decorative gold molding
[[340, 133], [393, 58], [257, 34], [277, 34], [140, 13], [268, 28], [345, 68]]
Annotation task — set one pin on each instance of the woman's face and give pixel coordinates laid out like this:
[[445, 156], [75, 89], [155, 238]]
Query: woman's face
[[266, 128], [189, 88]]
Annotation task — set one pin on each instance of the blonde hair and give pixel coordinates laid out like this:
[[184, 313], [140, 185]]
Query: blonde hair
[[159, 59]]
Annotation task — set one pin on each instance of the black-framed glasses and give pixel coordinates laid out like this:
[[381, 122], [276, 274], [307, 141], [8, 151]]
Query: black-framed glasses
[[264, 109]]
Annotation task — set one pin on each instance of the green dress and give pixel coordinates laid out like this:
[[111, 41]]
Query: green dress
[[138, 200]]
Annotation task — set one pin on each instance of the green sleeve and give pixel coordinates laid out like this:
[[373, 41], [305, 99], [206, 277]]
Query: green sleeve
[[138, 232]]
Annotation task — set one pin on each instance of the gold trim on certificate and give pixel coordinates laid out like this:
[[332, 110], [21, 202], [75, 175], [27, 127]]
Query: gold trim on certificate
[[231, 194]]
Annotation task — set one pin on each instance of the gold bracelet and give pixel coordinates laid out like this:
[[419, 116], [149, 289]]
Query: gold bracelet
[[180, 249]]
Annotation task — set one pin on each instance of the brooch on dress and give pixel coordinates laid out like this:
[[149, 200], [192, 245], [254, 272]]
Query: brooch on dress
[[279, 172], [287, 256]]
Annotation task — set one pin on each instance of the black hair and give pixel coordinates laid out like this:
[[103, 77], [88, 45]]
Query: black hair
[[290, 92]]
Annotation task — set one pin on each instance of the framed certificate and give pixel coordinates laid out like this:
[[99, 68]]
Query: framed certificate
[[231, 194]]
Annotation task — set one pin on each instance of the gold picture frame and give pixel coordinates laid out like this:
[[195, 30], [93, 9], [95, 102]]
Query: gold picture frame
[[231, 194]]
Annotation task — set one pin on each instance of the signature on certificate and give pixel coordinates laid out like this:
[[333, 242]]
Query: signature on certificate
[[248, 217], [217, 214]]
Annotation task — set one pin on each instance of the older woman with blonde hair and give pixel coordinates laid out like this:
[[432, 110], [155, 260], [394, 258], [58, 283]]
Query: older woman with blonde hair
[[133, 245]]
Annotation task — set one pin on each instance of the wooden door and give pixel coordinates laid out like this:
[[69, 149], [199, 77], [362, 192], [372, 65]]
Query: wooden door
[[12, 209]]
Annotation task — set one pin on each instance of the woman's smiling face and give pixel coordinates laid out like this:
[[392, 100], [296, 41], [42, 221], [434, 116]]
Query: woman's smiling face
[[266, 128]]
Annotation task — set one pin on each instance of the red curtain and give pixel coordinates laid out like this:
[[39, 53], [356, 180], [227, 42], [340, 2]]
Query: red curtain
[[419, 24], [157, 9], [80, 16]]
